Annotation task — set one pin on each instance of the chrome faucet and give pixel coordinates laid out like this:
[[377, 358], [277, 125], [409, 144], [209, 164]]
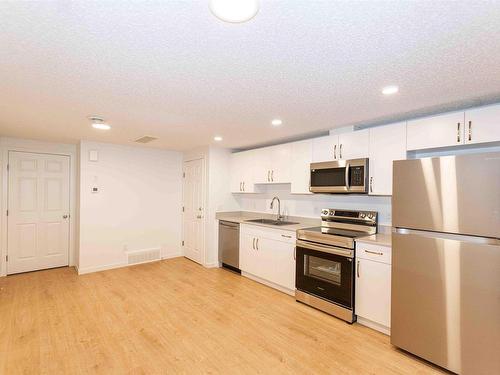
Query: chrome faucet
[[279, 216]]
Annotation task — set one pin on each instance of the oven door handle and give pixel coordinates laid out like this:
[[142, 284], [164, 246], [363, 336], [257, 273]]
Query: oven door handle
[[347, 166], [326, 249]]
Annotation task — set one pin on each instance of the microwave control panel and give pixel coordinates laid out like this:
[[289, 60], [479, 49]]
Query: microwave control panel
[[357, 176]]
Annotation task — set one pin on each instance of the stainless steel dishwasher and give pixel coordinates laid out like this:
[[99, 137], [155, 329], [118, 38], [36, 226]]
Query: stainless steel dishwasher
[[229, 245]]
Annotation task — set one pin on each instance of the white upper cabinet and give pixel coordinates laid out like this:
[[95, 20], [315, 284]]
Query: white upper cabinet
[[482, 124], [351, 145], [242, 170], [272, 164], [437, 131], [301, 157], [325, 148], [354, 145], [387, 143]]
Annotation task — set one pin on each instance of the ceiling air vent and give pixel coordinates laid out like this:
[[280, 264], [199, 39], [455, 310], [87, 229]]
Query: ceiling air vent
[[146, 139]]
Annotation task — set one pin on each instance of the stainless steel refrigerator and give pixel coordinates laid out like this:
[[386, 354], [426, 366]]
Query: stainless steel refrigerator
[[446, 261]]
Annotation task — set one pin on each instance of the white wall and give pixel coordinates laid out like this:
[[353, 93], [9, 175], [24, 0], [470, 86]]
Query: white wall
[[311, 205], [138, 205], [219, 199]]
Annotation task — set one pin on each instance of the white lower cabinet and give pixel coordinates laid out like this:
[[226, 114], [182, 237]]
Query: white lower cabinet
[[268, 255], [373, 287]]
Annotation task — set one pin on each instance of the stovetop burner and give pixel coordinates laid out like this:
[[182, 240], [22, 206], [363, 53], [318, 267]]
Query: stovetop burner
[[340, 227]]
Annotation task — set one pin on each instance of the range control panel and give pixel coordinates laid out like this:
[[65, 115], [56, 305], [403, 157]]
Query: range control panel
[[331, 214]]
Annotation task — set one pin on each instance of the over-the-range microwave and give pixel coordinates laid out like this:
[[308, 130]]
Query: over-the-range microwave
[[340, 176]]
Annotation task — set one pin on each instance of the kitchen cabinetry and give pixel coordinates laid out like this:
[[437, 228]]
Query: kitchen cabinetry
[[482, 124], [373, 286], [241, 172], [351, 145], [272, 164], [301, 158], [436, 131], [387, 143], [268, 256]]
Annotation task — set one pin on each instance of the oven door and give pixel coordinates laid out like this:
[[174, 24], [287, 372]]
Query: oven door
[[326, 271]]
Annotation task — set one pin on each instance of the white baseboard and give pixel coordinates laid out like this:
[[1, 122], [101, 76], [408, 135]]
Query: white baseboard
[[212, 265], [268, 283], [85, 270], [373, 325], [172, 255]]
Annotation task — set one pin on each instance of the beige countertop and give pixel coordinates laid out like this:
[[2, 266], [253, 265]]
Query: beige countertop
[[383, 239], [242, 217]]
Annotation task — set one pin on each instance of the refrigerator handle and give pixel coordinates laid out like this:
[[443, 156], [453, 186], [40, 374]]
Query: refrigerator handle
[[449, 236]]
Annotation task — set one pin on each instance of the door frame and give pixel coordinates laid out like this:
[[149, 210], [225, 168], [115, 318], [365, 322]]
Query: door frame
[[38, 147], [204, 200]]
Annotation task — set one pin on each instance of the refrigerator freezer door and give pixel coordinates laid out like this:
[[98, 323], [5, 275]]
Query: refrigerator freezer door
[[446, 299], [454, 194]]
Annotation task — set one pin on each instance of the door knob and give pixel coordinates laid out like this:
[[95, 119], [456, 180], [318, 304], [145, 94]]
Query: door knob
[[65, 216]]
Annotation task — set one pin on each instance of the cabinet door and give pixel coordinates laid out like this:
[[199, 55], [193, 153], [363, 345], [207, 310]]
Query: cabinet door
[[248, 171], [437, 131], [237, 166], [262, 165], [387, 143], [279, 157], [373, 291], [278, 262], [325, 148], [354, 145], [301, 158], [482, 124], [248, 253]]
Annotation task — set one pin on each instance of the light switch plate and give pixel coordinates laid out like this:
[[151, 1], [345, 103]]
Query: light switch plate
[[93, 155]]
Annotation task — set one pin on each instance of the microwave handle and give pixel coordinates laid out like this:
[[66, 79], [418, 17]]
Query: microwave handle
[[347, 166]]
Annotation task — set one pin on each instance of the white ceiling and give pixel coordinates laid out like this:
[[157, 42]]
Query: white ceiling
[[172, 70]]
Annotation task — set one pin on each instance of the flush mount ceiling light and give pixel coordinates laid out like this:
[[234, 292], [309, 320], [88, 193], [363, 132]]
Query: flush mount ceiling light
[[217, 138], [276, 122], [389, 90], [234, 11], [98, 123]]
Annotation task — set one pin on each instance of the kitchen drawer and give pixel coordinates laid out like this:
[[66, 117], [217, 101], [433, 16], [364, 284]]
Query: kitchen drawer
[[373, 252], [269, 233]]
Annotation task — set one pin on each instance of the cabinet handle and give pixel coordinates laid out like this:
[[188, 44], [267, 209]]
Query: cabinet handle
[[241, 189], [335, 152], [295, 253], [272, 175], [243, 185], [268, 179], [357, 269], [373, 252], [340, 151], [284, 235], [371, 184], [470, 130], [253, 245], [458, 132], [257, 244]]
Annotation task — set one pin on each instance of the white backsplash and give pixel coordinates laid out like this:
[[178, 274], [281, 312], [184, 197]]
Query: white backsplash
[[311, 205]]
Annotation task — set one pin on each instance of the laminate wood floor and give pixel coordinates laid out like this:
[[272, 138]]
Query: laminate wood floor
[[176, 317]]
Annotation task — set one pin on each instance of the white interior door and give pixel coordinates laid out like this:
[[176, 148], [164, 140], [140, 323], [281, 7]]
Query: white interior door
[[38, 204], [193, 217]]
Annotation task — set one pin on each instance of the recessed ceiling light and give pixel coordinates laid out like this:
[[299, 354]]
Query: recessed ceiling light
[[101, 126], [276, 122], [389, 90], [234, 11], [217, 138], [98, 123]]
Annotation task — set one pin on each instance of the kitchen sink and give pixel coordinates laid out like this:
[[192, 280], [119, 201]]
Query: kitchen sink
[[271, 222]]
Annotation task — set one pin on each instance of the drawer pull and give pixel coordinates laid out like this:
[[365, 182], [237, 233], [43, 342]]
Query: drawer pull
[[373, 252], [284, 235]]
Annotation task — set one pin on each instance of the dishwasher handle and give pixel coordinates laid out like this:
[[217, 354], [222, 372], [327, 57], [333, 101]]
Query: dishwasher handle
[[229, 224]]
